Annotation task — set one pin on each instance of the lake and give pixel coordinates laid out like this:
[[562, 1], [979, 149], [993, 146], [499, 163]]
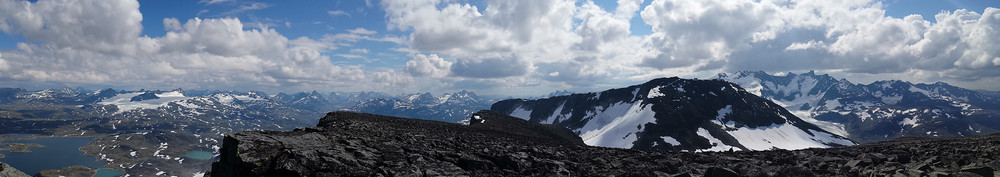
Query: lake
[[58, 152], [200, 155]]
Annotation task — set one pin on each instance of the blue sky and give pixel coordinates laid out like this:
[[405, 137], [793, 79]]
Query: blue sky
[[517, 48]]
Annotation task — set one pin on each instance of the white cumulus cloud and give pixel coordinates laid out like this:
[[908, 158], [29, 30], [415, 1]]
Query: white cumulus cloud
[[428, 65], [99, 42]]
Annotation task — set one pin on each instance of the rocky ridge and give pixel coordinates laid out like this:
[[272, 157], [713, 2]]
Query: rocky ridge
[[355, 144]]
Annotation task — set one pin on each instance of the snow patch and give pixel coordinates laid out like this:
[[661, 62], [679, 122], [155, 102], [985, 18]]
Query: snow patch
[[722, 114], [655, 92], [522, 113], [891, 100], [670, 140], [556, 115], [832, 127], [124, 103], [911, 121], [784, 136], [833, 104], [616, 125], [717, 144], [749, 82], [918, 90]]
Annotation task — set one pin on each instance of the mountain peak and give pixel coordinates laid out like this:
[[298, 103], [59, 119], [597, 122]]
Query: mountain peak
[[675, 114]]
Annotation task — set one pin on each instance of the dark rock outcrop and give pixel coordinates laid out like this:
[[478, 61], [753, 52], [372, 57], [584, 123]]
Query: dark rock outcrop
[[72, 171], [145, 96], [354, 144], [8, 171]]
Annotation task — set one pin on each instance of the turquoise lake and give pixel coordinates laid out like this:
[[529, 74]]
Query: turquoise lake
[[200, 155]]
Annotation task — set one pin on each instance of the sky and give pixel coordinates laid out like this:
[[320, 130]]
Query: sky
[[505, 47]]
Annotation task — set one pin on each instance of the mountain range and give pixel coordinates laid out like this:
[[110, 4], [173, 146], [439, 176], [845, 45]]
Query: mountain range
[[150, 131], [882, 110]]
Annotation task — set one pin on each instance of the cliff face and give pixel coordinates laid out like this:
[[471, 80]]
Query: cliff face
[[8, 171], [353, 144]]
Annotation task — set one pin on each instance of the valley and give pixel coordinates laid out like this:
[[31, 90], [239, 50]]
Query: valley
[[174, 132]]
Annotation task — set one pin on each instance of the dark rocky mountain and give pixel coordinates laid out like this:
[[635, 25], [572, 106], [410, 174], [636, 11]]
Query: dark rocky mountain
[[144, 96], [355, 144], [882, 110], [675, 114]]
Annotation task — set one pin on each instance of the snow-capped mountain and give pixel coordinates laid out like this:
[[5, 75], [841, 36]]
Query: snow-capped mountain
[[147, 131], [449, 107], [882, 110], [675, 114], [76, 96], [313, 101]]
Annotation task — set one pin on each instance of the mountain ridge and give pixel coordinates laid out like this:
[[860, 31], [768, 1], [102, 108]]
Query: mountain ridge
[[881, 110], [674, 114]]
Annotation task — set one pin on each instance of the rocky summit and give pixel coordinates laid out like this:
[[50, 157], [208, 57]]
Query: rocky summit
[[491, 144]]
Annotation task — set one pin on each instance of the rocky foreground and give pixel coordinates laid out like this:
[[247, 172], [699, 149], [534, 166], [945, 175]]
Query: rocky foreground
[[353, 144], [8, 171]]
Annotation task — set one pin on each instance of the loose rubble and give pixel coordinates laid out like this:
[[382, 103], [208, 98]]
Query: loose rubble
[[354, 144]]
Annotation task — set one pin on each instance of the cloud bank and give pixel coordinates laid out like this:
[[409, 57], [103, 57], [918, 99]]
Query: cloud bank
[[503, 47], [576, 44]]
